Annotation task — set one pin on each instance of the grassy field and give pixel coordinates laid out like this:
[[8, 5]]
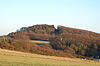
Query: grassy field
[[37, 41], [14, 58]]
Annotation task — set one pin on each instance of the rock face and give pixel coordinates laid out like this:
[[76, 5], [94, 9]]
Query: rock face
[[42, 29], [50, 30]]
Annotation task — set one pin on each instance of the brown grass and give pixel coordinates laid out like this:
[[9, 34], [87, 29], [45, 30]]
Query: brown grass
[[17, 53]]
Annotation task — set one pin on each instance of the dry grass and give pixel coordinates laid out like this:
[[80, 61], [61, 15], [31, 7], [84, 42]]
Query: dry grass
[[64, 60], [37, 41]]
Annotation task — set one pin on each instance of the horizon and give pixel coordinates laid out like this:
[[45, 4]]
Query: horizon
[[54, 26], [80, 14]]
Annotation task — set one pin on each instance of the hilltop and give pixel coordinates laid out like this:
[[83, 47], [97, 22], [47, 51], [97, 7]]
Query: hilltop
[[61, 41]]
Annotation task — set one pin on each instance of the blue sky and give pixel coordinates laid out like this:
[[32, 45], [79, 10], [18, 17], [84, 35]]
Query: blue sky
[[82, 14]]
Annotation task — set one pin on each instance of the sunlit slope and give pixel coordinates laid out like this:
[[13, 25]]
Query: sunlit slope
[[14, 58], [42, 42]]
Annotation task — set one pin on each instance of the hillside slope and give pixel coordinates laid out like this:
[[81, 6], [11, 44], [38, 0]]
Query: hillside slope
[[9, 58], [63, 41]]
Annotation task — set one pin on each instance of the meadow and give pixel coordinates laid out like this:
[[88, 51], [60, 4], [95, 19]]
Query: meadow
[[37, 41], [15, 58]]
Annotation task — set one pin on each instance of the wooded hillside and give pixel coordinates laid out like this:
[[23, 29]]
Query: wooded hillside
[[64, 41]]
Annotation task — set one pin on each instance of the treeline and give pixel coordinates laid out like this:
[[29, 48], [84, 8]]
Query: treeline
[[64, 41], [26, 46], [79, 46]]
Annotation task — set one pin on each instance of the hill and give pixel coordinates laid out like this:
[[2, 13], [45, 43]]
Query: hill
[[63, 41], [15, 58]]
